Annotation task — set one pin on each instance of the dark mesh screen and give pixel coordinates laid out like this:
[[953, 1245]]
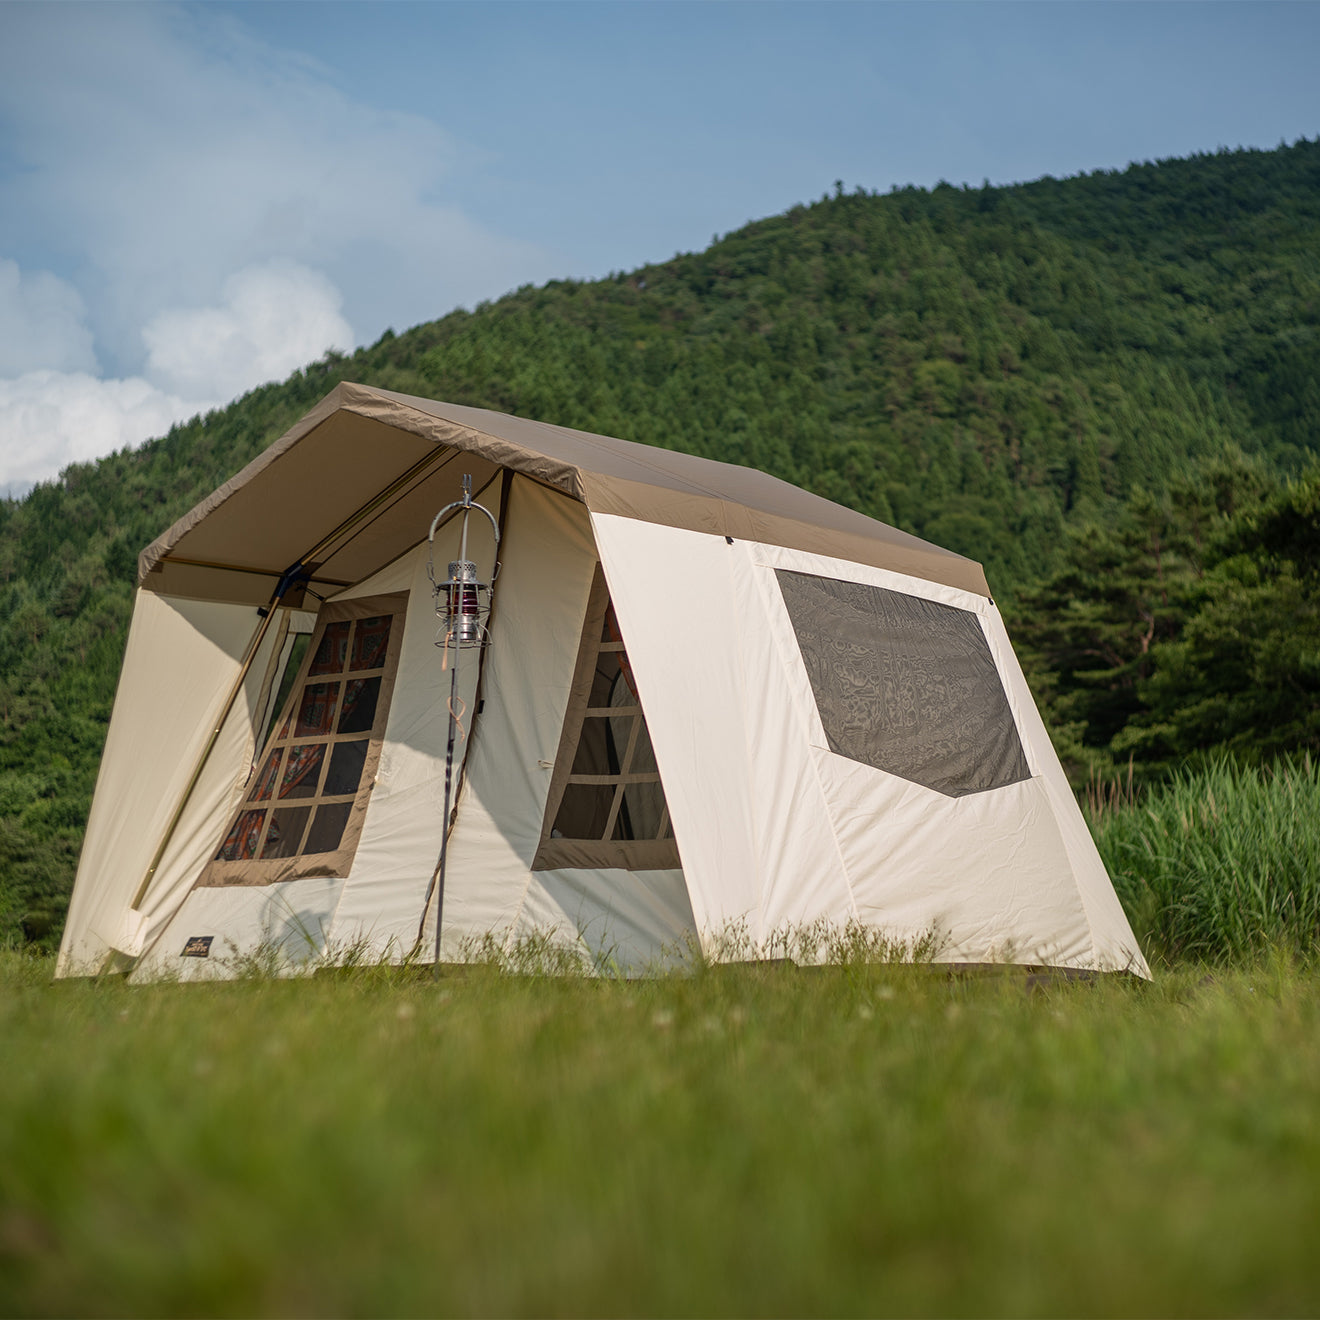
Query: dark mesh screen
[[905, 685]]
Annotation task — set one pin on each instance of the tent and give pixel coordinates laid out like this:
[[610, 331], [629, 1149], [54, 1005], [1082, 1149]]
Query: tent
[[714, 708]]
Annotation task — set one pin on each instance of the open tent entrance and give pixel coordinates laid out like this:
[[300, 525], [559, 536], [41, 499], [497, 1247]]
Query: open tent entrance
[[606, 806]]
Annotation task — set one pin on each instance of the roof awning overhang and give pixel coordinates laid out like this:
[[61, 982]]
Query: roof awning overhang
[[356, 482]]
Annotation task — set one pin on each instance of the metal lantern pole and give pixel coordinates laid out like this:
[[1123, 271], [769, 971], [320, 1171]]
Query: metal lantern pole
[[463, 613]]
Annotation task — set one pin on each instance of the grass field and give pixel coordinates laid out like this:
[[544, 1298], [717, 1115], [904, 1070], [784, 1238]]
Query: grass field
[[865, 1138], [768, 1140]]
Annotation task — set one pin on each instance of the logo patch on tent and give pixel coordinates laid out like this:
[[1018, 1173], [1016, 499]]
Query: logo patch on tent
[[198, 946]]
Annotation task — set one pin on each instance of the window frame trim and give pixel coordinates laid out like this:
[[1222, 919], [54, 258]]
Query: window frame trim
[[555, 854], [260, 872]]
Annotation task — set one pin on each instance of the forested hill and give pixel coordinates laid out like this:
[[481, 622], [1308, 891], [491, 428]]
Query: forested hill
[[1094, 385]]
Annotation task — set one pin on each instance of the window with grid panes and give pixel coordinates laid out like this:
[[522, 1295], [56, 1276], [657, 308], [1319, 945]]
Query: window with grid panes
[[303, 808], [606, 806]]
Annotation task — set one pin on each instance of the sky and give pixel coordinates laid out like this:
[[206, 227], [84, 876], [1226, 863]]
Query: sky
[[199, 198]]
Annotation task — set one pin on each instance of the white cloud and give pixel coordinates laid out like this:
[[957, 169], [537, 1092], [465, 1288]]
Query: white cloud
[[196, 213], [172, 150], [53, 418], [273, 319], [42, 323]]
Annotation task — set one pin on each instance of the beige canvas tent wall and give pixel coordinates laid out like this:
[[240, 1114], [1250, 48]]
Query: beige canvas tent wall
[[712, 703]]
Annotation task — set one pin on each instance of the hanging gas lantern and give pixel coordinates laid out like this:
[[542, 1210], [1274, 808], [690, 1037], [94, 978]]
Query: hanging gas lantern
[[462, 600]]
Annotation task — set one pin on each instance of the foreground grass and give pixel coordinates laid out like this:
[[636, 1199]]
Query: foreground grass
[[748, 1140]]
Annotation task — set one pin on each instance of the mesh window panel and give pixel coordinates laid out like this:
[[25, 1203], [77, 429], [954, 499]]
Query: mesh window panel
[[302, 771], [345, 771], [584, 811], [608, 677], [593, 755], [643, 758], [640, 812], [241, 841], [328, 827], [297, 649], [360, 697], [329, 657], [905, 685], [285, 832], [265, 784], [316, 713], [370, 643]]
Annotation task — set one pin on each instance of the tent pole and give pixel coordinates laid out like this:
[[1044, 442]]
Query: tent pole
[[437, 875], [444, 837], [299, 572], [449, 750], [478, 696]]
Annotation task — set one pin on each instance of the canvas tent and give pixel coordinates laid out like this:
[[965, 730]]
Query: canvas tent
[[712, 703]]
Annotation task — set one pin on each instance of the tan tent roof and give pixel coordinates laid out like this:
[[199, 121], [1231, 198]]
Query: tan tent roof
[[356, 482]]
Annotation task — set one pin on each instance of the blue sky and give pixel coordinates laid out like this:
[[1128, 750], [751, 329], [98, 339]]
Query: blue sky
[[198, 198], [619, 132]]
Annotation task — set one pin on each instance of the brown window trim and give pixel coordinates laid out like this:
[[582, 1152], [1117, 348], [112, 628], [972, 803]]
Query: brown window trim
[[255, 871], [553, 854]]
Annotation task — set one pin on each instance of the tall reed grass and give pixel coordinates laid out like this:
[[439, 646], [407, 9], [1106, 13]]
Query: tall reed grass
[[1219, 863]]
